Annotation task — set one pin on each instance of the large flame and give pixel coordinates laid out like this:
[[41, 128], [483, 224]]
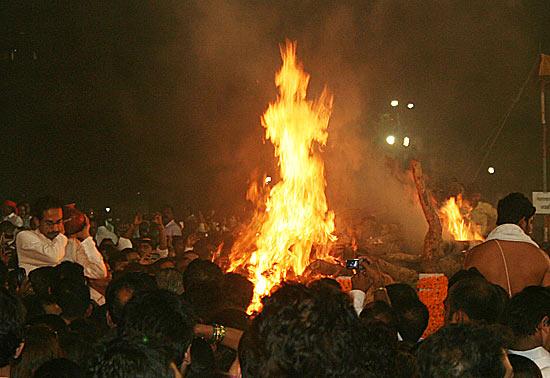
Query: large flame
[[457, 224], [292, 223]]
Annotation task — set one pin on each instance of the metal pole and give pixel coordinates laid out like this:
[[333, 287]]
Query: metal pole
[[544, 153], [544, 138]]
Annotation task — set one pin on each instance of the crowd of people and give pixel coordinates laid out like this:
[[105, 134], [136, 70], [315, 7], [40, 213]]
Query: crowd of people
[[88, 296]]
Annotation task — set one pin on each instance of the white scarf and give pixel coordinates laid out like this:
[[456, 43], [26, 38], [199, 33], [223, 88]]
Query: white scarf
[[510, 232]]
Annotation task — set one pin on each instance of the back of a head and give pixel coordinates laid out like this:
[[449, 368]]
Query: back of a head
[[170, 279], [477, 298], [68, 270], [309, 333], [238, 290], [59, 368], [464, 274], [42, 279], [122, 289], [160, 315], [12, 316], [379, 311], [462, 350], [527, 309], [41, 345], [514, 207], [412, 320], [524, 367], [201, 272], [73, 298], [130, 357], [400, 293], [202, 281]]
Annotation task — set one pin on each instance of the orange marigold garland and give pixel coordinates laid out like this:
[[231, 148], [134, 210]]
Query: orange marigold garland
[[432, 291]]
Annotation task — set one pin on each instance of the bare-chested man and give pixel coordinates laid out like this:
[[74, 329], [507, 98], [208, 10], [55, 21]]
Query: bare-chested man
[[509, 257]]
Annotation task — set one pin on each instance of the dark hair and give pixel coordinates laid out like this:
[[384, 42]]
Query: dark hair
[[462, 350], [130, 357], [122, 289], [309, 332], [11, 326], [238, 290], [45, 203], [73, 298], [514, 207], [401, 293], [412, 320], [477, 298], [203, 364], [59, 368], [524, 367], [463, 274], [162, 316], [41, 280], [526, 310], [41, 345], [54, 322], [379, 311], [170, 279], [202, 281], [75, 347], [3, 274], [72, 271]]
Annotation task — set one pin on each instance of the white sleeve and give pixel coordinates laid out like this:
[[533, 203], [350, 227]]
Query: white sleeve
[[33, 251], [123, 243], [91, 259], [17, 221], [358, 299]]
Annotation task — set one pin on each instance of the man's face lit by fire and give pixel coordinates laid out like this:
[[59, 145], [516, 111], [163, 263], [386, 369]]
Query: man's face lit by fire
[[51, 223]]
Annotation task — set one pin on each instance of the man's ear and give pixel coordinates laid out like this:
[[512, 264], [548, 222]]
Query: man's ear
[[544, 324], [89, 311], [19, 350], [523, 224], [110, 322]]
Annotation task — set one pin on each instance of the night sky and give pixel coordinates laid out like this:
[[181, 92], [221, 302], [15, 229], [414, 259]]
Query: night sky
[[102, 100]]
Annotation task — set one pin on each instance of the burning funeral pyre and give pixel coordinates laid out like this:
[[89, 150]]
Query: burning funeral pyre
[[292, 223], [293, 229]]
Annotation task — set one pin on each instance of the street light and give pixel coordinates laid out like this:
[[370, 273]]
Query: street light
[[390, 139], [410, 105], [406, 141], [491, 170], [394, 103]]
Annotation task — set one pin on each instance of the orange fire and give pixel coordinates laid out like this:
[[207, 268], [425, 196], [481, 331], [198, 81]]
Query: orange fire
[[292, 224], [457, 224]]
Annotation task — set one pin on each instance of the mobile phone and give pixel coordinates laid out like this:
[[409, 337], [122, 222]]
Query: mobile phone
[[353, 263]]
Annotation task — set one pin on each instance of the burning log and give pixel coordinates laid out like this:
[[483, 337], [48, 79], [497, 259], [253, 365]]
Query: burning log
[[433, 241]]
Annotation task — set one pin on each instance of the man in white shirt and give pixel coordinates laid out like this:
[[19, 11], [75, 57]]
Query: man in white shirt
[[46, 245], [528, 315], [171, 228]]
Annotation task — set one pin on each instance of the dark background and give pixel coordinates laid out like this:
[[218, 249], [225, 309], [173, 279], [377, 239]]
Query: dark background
[[133, 103]]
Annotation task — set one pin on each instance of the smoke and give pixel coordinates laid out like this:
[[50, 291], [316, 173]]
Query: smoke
[[218, 60]]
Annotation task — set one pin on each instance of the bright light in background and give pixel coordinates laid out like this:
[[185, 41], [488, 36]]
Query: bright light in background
[[108, 209], [394, 103], [406, 141], [268, 179], [390, 140], [410, 105], [491, 170]]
